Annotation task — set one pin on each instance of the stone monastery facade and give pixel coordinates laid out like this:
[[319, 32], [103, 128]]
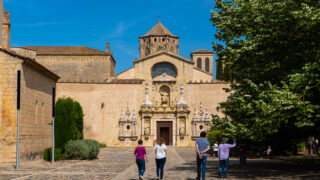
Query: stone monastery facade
[[162, 95]]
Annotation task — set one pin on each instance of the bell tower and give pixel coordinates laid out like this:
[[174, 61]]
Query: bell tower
[[158, 39], [5, 28]]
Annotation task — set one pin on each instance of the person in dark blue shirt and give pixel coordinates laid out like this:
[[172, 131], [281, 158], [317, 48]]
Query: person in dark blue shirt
[[202, 147]]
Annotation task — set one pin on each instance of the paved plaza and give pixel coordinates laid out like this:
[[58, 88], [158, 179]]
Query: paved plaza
[[119, 164]]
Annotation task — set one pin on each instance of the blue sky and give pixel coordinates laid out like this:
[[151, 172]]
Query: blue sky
[[92, 23]]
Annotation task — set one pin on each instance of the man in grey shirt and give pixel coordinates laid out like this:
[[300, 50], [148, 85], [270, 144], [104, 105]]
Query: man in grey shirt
[[202, 147]]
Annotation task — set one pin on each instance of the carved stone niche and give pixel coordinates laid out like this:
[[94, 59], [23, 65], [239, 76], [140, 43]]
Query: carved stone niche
[[182, 127], [128, 126], [199, 123], [147, 127]]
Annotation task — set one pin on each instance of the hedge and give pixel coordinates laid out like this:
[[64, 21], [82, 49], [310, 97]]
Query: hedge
[[102, 145], [82, 149], [47, 154]]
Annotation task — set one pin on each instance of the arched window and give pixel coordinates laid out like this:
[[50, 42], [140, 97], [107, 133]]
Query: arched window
[[36, 113], [207, 64], [161, 68], [42, 114], [199, 63]]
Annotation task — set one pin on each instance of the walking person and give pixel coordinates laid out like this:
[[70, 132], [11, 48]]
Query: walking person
[[215, 149], [161, 157], [223, 153], [141, 159], [267, 152], [202, 147]]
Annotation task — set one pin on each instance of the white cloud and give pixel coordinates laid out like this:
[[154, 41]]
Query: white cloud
[[122, 27], [40, 24]]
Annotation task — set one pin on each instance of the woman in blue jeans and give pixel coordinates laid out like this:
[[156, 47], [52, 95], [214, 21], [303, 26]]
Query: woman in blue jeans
[[223, 153], [141, 158], [161, 154]]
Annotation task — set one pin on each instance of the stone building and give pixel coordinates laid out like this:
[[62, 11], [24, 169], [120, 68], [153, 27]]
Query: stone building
[[36, 100], [162, 95]]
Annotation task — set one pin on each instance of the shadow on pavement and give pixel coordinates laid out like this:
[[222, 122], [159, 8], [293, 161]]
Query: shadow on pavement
[[256, 169]]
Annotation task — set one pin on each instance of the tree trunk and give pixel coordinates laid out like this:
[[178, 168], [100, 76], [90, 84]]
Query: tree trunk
[[311, 148]]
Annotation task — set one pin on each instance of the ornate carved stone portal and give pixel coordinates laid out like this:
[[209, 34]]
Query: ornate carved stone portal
[[128, 126], [168, 111], [200, 122]]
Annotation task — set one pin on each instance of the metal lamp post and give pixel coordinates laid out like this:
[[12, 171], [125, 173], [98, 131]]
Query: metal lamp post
[[18, 117], [53, 105]]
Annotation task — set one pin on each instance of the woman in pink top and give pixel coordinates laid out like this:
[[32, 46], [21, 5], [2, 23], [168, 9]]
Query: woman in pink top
[[141, 159]]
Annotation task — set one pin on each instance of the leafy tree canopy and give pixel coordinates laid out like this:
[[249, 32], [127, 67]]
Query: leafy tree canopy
[[272, 51], [266, 39]]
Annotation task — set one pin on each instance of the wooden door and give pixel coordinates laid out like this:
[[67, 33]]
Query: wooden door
[[164, 130]]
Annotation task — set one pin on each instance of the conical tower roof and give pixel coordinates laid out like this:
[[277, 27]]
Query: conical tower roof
[[159, 30]]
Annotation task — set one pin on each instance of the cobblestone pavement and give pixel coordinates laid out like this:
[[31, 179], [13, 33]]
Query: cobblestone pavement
[[255, 168], [119, 164], [111, 161], [175, 168]]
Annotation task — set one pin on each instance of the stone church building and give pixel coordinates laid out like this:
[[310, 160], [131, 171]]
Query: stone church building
[[162, 95]]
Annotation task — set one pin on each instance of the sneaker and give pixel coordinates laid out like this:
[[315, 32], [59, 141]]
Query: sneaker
[[141, 177], [158, 178]]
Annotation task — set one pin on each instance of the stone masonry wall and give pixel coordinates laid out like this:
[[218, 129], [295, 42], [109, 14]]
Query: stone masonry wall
[[8, 113], [79, 68], [35, 133], [102, 105], [36, 113]]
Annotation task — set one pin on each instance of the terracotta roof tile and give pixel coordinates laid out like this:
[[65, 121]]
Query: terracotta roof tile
[[159, 30], [202, 51], [64, 50]]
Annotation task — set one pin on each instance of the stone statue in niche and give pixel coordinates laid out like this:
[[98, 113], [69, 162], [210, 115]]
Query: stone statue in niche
[[182, 126], [147, 127], [147, 131], [165, 96]]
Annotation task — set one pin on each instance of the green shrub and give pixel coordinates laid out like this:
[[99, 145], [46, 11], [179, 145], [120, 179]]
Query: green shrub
[[102, 145], [82, 149], [300, 146], [215, 135], [47, 154], [76, 149], [68, 121], [94, 148]]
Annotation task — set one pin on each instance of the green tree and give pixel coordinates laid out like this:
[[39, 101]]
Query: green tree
[[68, 121], [273, 52], [265, 40]]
